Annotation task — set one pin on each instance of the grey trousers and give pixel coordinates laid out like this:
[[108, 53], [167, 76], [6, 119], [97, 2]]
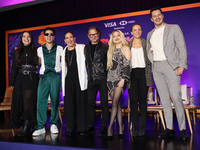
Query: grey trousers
[[168, 85]]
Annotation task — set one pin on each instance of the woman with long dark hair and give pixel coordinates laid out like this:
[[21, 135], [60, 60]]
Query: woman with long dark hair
[[118, 66], [24, 80]]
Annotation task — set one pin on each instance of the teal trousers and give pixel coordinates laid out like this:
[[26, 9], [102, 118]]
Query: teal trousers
[[49, 84]]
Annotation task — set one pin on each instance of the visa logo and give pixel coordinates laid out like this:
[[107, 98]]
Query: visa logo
[[110, 24]]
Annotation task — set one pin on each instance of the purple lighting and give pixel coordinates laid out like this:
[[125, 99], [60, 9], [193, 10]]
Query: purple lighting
[[4, 3]]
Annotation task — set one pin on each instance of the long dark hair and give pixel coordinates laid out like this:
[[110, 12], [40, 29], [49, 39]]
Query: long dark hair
[[20, 49]]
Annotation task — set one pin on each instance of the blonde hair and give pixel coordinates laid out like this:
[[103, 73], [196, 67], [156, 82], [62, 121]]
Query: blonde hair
[[112, 48]]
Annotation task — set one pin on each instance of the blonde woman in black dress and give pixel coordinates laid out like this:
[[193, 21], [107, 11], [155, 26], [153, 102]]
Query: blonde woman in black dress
[[119, 69]]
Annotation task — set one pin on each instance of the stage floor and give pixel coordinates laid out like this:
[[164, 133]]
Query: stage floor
[[62, 141]]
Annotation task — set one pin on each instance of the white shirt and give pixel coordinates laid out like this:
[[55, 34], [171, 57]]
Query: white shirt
[[137, 58], [157, 44], [58, 59]]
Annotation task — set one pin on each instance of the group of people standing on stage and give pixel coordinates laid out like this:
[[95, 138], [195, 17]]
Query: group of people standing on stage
[[98, 67]]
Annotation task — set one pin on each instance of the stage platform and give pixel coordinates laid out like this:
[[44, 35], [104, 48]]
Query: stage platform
[[62, 142]]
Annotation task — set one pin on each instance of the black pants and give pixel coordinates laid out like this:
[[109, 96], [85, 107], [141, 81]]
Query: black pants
[[93, 88], [75, 102], [138, 92]]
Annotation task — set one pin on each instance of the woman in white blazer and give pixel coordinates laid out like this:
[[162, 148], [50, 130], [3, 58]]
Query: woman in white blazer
[[74, 85]]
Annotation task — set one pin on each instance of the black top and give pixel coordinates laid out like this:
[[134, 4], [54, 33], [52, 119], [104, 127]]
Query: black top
[[70, 59], [28, 55], [93, 48], [26, 59]]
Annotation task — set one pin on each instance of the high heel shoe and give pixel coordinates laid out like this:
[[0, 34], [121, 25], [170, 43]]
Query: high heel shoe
[[120, 136], [109, 138]]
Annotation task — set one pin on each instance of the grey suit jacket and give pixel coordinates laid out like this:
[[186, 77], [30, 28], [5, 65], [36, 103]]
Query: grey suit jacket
[[148, 74], [173, 45]]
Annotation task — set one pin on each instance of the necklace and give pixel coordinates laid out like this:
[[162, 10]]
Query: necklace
[[26, 53], [49, 47], [70, 61]]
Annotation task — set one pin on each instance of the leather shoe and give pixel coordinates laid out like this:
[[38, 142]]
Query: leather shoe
[[90, 130], [135, 136], [102, 132], [184, 135], [69, 133], [77, 132], [167, 133]]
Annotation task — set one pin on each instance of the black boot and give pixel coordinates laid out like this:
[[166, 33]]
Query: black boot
[[102, 132], [142, 124], [134, 126], [90, 130], [25, 131]]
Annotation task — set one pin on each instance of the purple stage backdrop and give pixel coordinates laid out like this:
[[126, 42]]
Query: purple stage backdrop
[[187, 19]]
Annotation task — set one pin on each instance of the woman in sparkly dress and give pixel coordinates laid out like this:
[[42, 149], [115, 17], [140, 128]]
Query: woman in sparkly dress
[[119, 69]]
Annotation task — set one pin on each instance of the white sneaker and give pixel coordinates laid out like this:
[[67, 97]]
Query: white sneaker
[[39, 132], [54, 129]]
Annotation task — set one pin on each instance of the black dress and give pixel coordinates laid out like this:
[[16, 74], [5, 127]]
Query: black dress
[[24, 99]]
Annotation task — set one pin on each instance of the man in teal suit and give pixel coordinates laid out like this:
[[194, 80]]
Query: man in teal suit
[[49, 84]]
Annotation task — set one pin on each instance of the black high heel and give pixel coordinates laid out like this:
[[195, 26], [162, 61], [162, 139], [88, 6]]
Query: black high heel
[[120, 136], [109, 138]]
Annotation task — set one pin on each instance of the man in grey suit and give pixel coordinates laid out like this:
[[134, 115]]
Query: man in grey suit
[[166, 50]]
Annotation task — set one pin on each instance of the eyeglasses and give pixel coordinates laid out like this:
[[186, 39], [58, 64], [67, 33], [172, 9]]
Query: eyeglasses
[[91, 35], [47, 34]]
